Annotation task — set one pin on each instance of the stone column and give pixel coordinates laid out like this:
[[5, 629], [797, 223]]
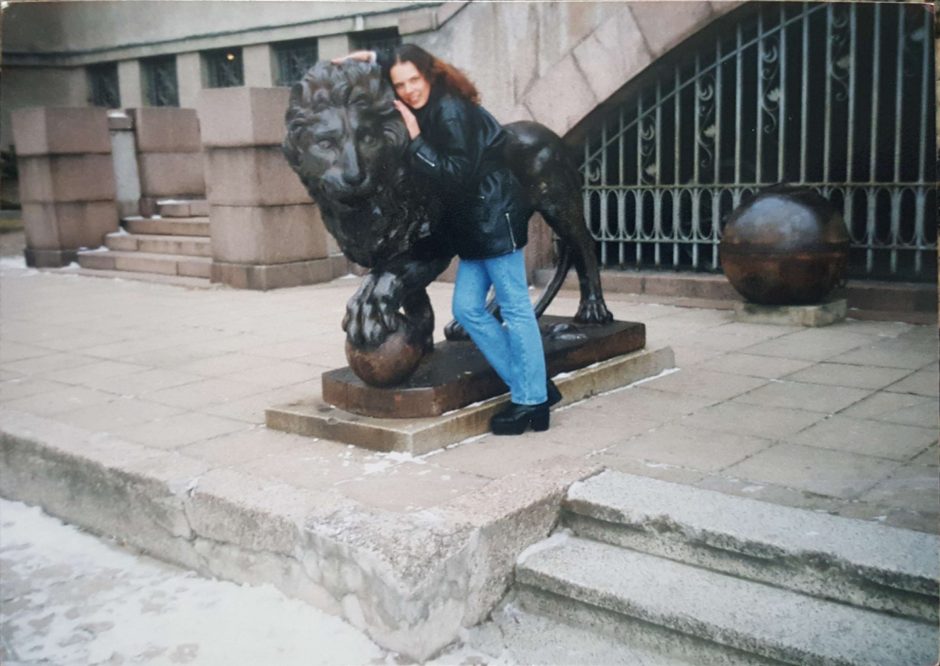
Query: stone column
[[169, 155], [266, 231], [66, 181]]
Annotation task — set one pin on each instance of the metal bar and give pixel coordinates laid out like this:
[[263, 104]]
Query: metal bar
[[737, 112], [696, 157], [827, 123], [759, 124], [782, 98], [804, 111], [718, 96], [922, 147], [853, 65], [677, 131], [602, 204], [876, 82], [898, 111], [657, 197]]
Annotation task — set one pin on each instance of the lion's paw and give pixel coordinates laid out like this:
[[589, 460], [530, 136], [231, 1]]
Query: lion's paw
[[593, 311]]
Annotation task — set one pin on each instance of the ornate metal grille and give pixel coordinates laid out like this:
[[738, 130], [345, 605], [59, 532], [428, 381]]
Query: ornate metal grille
[[103, 85], [294, 59], [224, 68], [837, 97], [160, 83]]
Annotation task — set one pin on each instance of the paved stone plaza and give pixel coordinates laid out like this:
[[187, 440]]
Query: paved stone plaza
[[841, 419], [136, 409]]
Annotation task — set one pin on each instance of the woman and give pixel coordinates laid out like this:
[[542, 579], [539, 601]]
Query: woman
[[458, 146]]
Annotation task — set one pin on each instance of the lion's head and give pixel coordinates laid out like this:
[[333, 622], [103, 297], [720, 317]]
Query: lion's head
[[346, 141], [344, 136]]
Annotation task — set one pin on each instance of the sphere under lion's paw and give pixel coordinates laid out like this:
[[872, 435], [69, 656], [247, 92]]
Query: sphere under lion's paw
[[391, 363]]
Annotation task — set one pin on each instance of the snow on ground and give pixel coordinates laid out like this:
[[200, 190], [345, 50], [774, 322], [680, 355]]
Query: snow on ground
[[69, 598]]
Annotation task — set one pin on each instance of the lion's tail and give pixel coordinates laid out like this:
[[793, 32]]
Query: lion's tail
[[561, 272]]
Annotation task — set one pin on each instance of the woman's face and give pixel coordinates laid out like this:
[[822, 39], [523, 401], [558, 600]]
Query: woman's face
[[410, 85]]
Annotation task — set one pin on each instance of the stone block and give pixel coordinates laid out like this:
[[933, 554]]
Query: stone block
[[821, 314], [166, 130], [168, 174], [60, 178], [60, 226], [231, 117], [665, 24], [273, 276], [49, 258], [60, 131], [561, 112], [252, 177], [118, 122], [267, 234], [618, 44]]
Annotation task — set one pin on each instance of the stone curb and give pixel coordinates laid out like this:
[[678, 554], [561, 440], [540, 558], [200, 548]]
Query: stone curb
[[742, 615], [411, 581], [857, 562]]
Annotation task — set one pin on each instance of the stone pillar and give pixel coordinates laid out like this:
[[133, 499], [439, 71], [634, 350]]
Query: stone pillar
[[189, 78], [169, 155], [333, 46], [259, 66], [266, 231], [124, 154], [131, 83], [66, 181]]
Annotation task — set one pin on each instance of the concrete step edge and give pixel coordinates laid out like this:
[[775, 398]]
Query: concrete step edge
[[168, 226], [854, 561], [739, 614]]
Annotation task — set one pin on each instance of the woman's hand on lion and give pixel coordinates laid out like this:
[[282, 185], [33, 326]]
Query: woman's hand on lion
[[364, 56], [410, 121]]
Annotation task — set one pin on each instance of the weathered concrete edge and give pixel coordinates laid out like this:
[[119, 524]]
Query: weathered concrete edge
[[315, 418], [411, 581], [603, 499]]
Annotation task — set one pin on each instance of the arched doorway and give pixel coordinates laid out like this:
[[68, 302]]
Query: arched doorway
[[838, 97]]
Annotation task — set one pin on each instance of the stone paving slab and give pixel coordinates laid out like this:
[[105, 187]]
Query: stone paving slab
[[160, 424]]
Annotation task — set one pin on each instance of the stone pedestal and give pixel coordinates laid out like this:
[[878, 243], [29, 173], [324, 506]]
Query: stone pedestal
[[266, 231], [821, 314], [315, 417], [454, 393], [169, 155], [67, 185]]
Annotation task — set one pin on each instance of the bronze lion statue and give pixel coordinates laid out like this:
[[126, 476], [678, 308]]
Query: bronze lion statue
[[346, 142]]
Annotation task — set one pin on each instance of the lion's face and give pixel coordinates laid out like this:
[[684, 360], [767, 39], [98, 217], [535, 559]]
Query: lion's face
[[344, 135]]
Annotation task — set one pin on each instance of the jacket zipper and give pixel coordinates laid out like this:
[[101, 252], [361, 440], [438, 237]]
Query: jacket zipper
[[512, 236], [426, 160]]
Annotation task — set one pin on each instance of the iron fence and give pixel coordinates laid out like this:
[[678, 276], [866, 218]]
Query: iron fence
[[837, 97]]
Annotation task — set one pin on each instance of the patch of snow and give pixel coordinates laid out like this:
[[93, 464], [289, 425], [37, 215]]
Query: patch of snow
[[555, 540], [96, 603]]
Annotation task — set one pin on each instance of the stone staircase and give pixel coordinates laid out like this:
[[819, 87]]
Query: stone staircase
[[706, 578], [173, 243]]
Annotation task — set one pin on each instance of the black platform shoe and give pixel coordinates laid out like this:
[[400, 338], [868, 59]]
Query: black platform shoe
[[515, 419], [554, 395]]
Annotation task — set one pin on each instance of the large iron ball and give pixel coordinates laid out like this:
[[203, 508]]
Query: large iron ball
[[786, 246]]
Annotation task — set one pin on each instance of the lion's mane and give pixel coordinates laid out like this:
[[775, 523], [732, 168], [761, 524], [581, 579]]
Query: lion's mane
[[389, 221]]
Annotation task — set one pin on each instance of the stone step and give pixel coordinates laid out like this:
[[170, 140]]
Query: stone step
[[145, 262], [168, 226], [577, 579], [183, 207], [195, 246], [852, 561]]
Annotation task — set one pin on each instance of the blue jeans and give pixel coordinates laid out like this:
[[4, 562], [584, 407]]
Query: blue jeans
[[513, 348]]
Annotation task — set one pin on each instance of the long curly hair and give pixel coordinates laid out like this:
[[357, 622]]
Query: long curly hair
[[437, 72]]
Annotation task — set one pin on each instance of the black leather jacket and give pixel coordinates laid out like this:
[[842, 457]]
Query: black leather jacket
[[460, 150]]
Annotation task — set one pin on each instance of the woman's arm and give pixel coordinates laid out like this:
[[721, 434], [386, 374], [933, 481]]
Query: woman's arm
[[453, 158]]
